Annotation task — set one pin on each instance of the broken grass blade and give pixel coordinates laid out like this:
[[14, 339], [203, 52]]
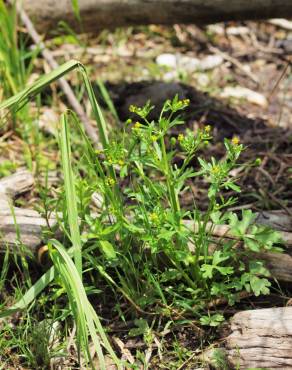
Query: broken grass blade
[[29, 92], [79, 295]]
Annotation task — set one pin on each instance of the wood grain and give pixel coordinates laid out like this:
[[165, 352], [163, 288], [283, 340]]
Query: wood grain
[[19, 228], [261, 339]]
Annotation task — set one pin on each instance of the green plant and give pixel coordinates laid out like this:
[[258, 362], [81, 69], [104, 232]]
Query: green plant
[[140, 242], [7, 168], [142, 328], [212, 320], [29, 343], [219, 360], [15, 60], [85, 317]]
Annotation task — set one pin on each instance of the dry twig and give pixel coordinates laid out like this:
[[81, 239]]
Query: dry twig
[[63, 83], [234, 62]]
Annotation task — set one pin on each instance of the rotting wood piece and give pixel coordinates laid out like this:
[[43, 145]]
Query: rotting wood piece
[[30, 225], [13, 185], [278, 219], [223, 231], [261, 339], [19, 227], [24, 230]]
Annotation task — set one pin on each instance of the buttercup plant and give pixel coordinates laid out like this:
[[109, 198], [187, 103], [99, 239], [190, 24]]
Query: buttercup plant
[[142, 242], [158, 222]]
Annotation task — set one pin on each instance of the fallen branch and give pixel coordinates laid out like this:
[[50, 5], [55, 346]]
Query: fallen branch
[[223, 231], [100, 14], [13, 185], [279, 264]]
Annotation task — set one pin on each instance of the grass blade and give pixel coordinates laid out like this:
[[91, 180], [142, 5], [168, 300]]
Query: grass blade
[[71, 200], [107, 99], [86, 316], [96, 109]]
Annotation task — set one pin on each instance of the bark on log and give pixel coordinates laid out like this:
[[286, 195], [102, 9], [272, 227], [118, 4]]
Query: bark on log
[[99, 14], [261, 339]]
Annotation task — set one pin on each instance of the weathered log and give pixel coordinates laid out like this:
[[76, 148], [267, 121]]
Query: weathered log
[[13, 185], [224, 231], [99, 14], [22, 228], [278, 219], [19, 227], [29, 232], [261, 339]]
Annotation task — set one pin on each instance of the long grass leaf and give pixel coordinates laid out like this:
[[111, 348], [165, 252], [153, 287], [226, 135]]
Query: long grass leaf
[[76, 10], [96, 109], [84, 306], [107, 99], [71, 200]]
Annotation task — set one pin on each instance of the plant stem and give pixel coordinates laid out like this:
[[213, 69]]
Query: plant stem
[[169, 181]]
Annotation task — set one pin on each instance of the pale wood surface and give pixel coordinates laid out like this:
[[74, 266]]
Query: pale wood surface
[[18, 183], [19, 228], [27, 230], [261, 339]]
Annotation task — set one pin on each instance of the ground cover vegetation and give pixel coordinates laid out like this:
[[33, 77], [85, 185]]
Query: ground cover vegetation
[[135, 253]]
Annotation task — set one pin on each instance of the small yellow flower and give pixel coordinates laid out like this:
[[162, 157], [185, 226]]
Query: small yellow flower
[[153, 217], [121, 162], [110, 181], [207, 129], [180, 137], [137, 125], [154, 138], [235, 140], [186, 101], [132, 108], [215, 170]]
